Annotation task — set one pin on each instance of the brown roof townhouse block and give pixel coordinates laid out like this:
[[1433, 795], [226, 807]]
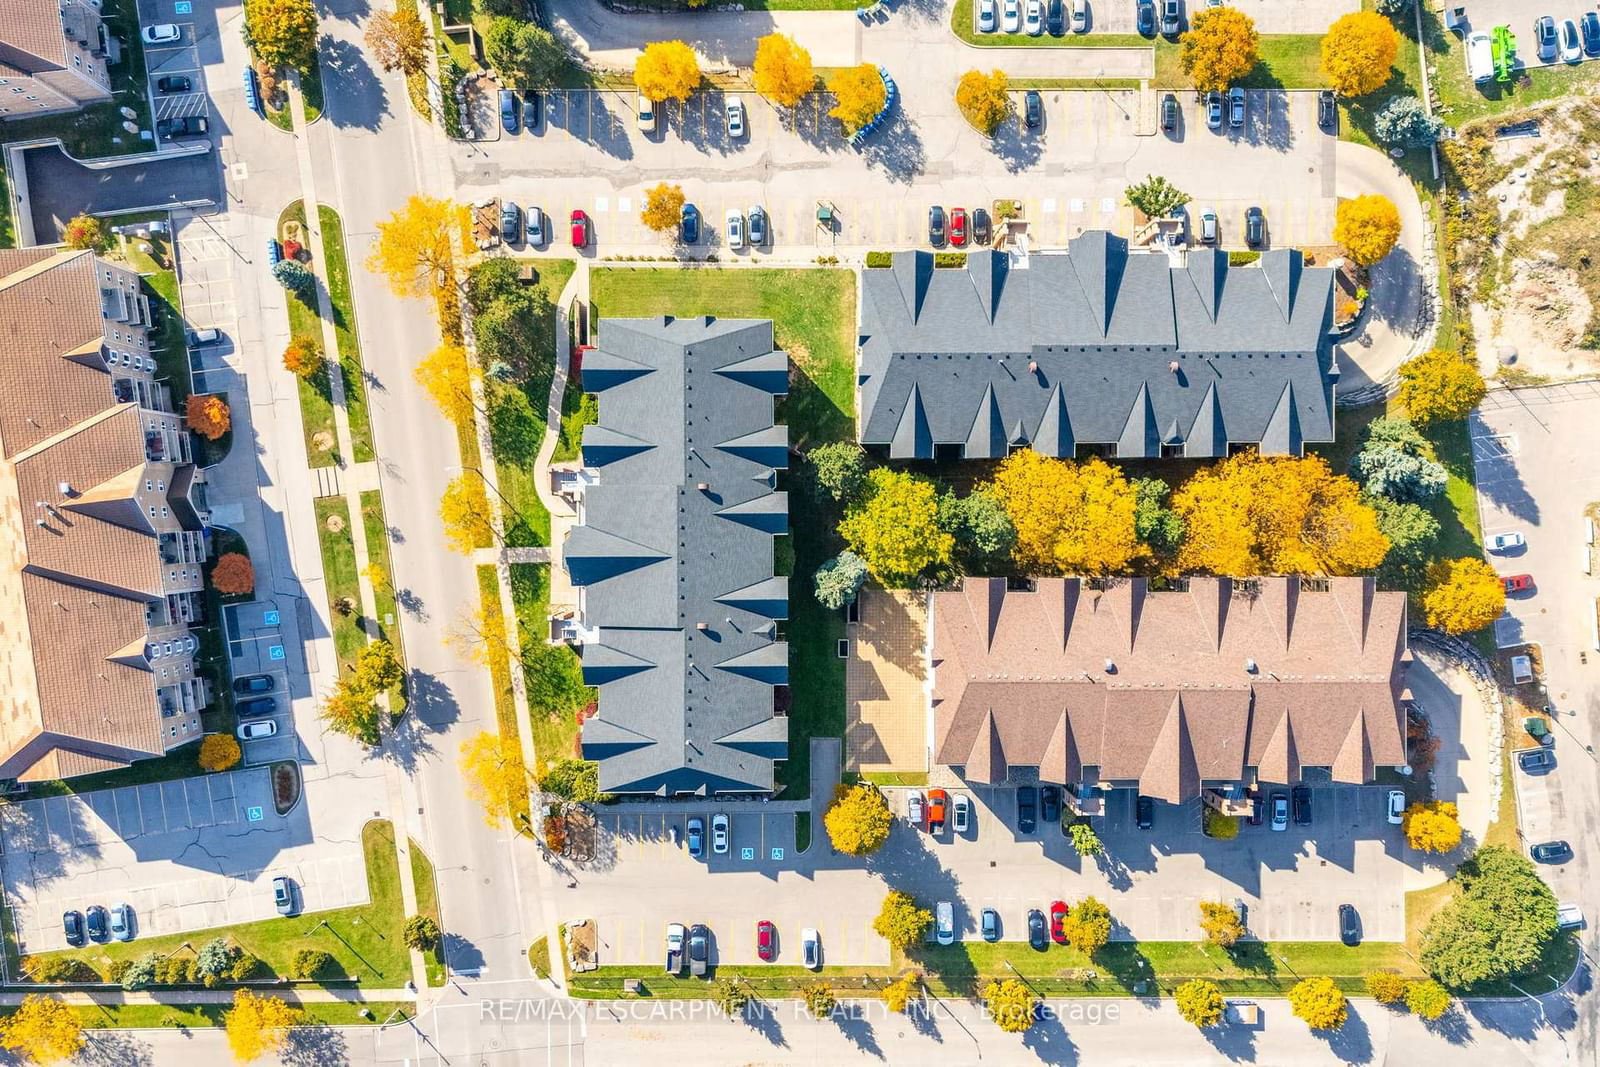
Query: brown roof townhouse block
[[1224, 681], [102, 536], [53, 57]]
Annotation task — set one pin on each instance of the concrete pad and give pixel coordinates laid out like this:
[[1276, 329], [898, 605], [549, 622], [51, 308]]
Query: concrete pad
[[103, 824], [174, 801], [130, 820], [152, 809], [197, 797]]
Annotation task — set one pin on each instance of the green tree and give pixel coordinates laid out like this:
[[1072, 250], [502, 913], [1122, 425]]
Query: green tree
[[730, 996], [984, 535], [1084, 840], [576, 780], [1199, 1002], [819, 999], [1155, 196], [141, 973], [295, 278], [1319, 1002], [895, 528], [421, 933], [312, 964], [524, 53], [839, 580], [1087, 926], [1399, 463], [555, 679], [215, 959], [1011, 1004], [1427, 999], [858, 820], [839, 468], [902, 921], [1404, 121], [1412, 534], [1157, 525], [1496, 925]]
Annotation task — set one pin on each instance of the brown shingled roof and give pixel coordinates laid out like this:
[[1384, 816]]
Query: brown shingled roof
[[1169, 688]]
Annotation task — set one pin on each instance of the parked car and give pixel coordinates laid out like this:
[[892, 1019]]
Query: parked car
[[1144, 17], [255, 683], [697, 836], [1208, 227], [1214, 110], [733, 226], [1255, 227], [1569, 917], [1280, 811], [174, 83], [1171, 17], [1144, 812], [1036, 930], [758, 226], [510, 111], [958, 227], [1589, 26], [980, 226], [161, 33], [1027, 808], [645, 111], [811, 948], [766, 940], [735, 110], [1349, 925], [122, 922], [537, 234], [1327, 109], [580, 229], [699, 950], [1032, 108], [1551, 852], [201, 338], [944, 923], [1518, 583], [960, 813], [1257, 805], [96, 923], [675, 938], [1080, 16], [1571, 43], [510, 222], [1236, 107], [1504, 542], [1302, 806], [1011, 16], [187, 126], [990, 924], [1169, 113], [1544, 35], [689, 224], [255, 706], [1055, 18], [936, 225], [72, 927], [914, 808], [1050, 803], [1033, 18], [1058, 916], [1397, 807], [986, 16], [719, 834], [938, 800], [531, 110], [257, 730], [1534, 760]]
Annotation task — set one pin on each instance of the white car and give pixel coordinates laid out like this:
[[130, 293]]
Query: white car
[[1011, 16], [257, 729], [719, 833], [1397, 807], [986, 16], [914, 808], [810, 948], [536, 231], [1571, 44], [1080, 16], [1208, 227], [1569, 917], [1502, 542], [647, 114], [944, 923], [735, 228], [961, 813], [735, 118], [1034, 20], [161, 33]]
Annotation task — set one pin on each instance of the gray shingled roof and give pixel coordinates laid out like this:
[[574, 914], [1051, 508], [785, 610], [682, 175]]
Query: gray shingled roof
[[1096, 346], [677, 535]]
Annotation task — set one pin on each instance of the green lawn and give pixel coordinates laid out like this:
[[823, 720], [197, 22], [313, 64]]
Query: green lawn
[[578, 409], [316, 397], [428, 904], [365, 941], [499, 663], [554, 736], [377, 531], [1461, 99], [179, 763], [814, 315], [339, 578], [113, 1016], [336, 273]]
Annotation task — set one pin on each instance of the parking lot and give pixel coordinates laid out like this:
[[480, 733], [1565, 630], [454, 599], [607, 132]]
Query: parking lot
[[255, 647], [178, 59], [1269, 16], [186, 855]]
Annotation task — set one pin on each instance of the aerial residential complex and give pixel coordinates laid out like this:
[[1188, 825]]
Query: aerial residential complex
[[105, 525], [54, 57]]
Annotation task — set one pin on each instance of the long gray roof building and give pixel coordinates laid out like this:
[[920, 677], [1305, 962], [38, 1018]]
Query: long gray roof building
[[673, 556], [1099, 346]]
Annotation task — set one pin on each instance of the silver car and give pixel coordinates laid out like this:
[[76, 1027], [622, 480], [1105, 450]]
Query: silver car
[[719, 833], [1236, 107], [735, 118], [944, 923]]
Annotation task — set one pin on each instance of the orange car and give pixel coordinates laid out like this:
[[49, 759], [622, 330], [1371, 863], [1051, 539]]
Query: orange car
[[938, 799]]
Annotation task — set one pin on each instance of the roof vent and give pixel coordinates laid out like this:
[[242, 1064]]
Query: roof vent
[[1033, 367], [1111, 666], [66, 489], [703, 486], [1250, 666], [701, 626], [1173, 366]]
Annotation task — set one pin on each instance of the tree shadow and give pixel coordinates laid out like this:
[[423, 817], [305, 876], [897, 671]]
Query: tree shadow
[[1352, 1042], [857, 1029], [313, 1046], [110, 1048], [897, 150], [1049, 1041], [432, 703], [1017, 147], [349, 82], [461, 955]]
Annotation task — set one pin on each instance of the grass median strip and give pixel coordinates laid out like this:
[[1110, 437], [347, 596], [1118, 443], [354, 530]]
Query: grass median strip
[[339, 576], [428, 904]]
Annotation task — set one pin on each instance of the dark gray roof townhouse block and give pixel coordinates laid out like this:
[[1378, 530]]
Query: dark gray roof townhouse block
[[1100, 347], [673, 556]]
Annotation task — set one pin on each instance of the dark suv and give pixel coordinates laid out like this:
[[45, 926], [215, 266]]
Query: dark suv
[[1027, 808], [1302, 805], [187, 126], [255, 683], [256, 706], [1144, 813], [936, 225], [1327, 110]]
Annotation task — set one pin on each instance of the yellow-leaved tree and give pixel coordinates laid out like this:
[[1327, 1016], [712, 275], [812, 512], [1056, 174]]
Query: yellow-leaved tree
[[1255, 514], [859, 94], [902, 921], [495, 775], [1219, 48], [984, 99], [1367, 226], [1462, 595], [42, 1030], [447, 376], [783, 71], [667, 70], [218, 752], [464, 510], [899, 994], [1432, 827], [1199, 1002], [283, 32], [1439, 386], [1012, 1005], [1319, 1002], [857, 820], [397, 40], [895, 528], [416, 248], [663, 207], [1071, 518], [1358, 52], [259, 1025]]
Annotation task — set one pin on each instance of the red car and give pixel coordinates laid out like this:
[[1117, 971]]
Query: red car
[[1058, 915], [958, 227], [766, 940], [1518, 583], [580, 229]]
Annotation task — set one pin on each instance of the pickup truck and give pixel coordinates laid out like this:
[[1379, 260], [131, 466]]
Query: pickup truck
[[674, 948]]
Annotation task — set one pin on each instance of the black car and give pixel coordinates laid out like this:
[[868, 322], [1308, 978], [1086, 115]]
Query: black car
[[1056, 19], [1169, 113], [188, 126], [1050, 803], [1552, 852], [689, 224], [1535, 760], [1256, 806], [1144, 813], [1589, 26], [699, 949], [255, 683], [1027, 808], [1146, 10], [1327, 109], [256, 706], [1301, 799], [531, 110], [1255, 227], [173, 83], [1349, 925], [980, 226], [1033, 108], [936, 225], [1038, 935], [72, 926], [98, 929]]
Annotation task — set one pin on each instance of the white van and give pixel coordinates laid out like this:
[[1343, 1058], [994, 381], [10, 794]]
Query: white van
[[1480, 57]]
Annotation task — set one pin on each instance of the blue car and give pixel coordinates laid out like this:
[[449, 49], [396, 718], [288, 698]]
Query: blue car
[[689, 224], [510, 111], [697, 836]]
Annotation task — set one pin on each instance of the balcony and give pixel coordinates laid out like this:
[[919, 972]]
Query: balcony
[[155, 446]]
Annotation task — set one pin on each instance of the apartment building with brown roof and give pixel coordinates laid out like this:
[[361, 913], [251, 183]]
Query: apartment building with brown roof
[[1197, 690], [54, 57], [102, 522]]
